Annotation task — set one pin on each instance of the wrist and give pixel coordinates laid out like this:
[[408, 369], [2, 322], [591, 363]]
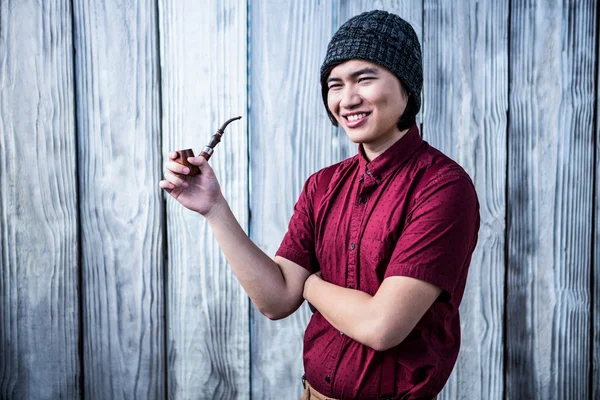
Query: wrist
[[217, 210]]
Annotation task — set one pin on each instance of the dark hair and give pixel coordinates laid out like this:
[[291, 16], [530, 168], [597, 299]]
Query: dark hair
[[407, 119]]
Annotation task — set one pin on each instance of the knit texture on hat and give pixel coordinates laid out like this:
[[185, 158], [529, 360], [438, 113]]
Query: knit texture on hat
[[384, 39]]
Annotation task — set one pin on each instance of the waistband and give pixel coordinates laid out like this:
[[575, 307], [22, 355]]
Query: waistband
[[311, 394]]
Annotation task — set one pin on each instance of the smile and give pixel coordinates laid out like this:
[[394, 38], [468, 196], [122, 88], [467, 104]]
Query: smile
[[356, 117], [355, 120]]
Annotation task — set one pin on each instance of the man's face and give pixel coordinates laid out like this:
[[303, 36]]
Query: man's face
[[367, 100]]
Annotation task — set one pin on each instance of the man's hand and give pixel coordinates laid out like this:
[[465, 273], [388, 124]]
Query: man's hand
[[200, 192]]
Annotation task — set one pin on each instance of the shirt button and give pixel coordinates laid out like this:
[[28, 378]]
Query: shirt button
[[352, 246], [368, 172], [363, 200], [341, 333], [327, 379]]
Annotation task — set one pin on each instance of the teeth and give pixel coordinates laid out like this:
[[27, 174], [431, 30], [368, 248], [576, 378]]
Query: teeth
[[356, 117]]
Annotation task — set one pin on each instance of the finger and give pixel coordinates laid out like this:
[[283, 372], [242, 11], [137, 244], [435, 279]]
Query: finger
[[175, 179], [173, 155], [177, 168], [166, 186]]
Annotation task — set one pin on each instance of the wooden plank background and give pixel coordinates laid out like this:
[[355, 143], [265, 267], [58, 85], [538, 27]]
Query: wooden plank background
[[550, 199], [595, 271], [204, 83], [291, 137], [39, 266], [465, 109], [109, 289], [121, 214]]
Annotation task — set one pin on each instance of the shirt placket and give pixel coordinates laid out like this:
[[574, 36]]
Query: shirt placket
[[357, 215]]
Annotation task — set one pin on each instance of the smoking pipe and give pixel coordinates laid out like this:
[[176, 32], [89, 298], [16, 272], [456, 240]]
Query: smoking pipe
[[206, 152]]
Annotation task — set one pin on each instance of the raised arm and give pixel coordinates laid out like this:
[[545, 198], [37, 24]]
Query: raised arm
[[274, 286]]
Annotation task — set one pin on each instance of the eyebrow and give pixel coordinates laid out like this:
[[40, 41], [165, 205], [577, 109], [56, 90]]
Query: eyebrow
[[356, 74]]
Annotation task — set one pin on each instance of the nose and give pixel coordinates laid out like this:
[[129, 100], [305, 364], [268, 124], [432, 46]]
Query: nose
[[350, 97]]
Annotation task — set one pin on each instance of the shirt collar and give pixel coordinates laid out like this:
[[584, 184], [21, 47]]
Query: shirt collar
[[393, 157]]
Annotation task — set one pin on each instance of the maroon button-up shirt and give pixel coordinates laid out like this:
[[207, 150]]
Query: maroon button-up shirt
[[378, 219]]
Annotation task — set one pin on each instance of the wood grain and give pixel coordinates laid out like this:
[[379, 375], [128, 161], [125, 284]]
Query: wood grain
[[552, 73], [291, 138], [121, 208], [98, 128], [203, 58], [409, 10], [465, 116], [38, 203], [595, 271]]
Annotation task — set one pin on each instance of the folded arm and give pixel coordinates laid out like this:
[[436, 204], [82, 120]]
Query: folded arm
[[431, 254], [381, 321]]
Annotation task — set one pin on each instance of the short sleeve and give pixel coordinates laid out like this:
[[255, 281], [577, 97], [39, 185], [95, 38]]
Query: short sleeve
[[440, 234], [298, 244]]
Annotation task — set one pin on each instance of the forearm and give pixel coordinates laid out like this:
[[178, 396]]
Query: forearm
[[381, 321], [259, 275], [350, 311]]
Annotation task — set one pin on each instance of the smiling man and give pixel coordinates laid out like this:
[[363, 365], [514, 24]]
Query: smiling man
[[379, 244]]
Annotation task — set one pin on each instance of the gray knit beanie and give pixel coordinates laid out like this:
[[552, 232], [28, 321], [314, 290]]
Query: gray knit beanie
[[384, 39]]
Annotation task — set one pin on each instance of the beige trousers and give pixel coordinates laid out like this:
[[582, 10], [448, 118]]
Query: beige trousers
[[312, 394]]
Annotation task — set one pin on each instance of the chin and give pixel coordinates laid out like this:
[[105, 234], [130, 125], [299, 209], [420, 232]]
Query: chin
[[357, 137]]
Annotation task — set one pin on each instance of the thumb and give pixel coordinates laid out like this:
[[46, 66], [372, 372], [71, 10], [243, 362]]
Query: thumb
[[203, 164]]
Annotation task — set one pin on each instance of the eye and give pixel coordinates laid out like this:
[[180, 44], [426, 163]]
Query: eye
[[365, 79], [335, 86]]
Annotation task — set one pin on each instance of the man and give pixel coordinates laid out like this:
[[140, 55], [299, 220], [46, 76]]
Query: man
[[379, 244]]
